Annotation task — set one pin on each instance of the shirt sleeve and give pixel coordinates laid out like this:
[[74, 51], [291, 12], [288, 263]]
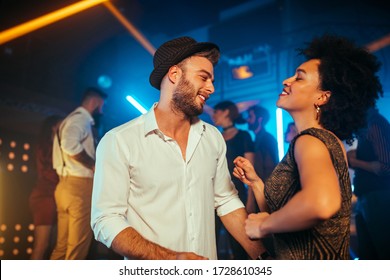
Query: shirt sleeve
[[226, 195], [110, 191], [73, 133]]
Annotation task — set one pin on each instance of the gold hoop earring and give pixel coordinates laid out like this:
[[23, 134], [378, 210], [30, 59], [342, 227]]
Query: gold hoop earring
[[318, 111]]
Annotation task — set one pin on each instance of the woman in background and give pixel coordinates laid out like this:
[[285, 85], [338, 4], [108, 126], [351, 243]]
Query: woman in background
[[42, 203]]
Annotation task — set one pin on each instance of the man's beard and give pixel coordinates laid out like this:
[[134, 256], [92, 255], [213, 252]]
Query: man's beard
[[184, 99]]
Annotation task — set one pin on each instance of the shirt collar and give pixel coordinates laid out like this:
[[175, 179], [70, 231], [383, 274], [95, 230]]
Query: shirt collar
[[150, 121], [150, 126]]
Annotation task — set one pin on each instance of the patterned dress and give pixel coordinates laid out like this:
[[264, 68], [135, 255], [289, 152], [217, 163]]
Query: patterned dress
[[328, 239]]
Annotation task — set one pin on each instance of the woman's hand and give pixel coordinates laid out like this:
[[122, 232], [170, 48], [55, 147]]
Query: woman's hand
[[245, 172], [253, 225]]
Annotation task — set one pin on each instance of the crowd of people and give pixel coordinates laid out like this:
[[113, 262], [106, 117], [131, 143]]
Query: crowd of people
[[167, 183]]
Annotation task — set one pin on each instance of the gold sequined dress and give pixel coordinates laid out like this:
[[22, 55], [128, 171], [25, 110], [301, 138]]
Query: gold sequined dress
[[328, 239]]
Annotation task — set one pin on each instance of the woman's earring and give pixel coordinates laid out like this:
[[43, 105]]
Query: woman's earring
[[318, 110]]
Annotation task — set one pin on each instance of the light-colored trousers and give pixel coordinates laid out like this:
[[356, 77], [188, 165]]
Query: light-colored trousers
[[74, 233]]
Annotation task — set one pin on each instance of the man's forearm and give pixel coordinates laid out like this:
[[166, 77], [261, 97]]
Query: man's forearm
[[234, 222], [131, 244], [84, 159]]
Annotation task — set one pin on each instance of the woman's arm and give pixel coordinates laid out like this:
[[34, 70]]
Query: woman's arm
[[320, 197], [251, 201], [318, 200]]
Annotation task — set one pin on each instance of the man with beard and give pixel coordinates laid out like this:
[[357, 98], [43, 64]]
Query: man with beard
[[160, 177], [266, 147], [74, 161]]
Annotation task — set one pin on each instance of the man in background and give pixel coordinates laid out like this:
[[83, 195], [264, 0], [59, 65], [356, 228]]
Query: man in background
[[266, 147], [371, 162], [74, 161]]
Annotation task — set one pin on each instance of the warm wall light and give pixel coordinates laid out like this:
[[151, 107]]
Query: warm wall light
[[12, 144], [242, 72], [24, 168], [10, 167], [47, 19]]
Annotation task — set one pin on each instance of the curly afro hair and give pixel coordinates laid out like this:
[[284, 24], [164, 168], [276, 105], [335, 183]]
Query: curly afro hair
[[349, 73]]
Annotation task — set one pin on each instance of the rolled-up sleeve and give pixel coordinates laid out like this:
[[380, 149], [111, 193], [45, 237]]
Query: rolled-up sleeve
[[226, 195], [110, 191]]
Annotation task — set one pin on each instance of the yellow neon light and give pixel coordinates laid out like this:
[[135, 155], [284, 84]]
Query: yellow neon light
[[131, 28], [47, 19]]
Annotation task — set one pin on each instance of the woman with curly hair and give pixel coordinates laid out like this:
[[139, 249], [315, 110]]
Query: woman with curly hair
[[306, 202]]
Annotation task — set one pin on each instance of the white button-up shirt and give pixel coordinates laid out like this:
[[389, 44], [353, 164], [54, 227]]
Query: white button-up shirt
[[75, 136], [141, 180]]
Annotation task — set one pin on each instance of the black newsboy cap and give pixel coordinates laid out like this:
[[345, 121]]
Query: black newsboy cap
[[171, 53]]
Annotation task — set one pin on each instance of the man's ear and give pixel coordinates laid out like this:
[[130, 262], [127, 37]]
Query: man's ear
[[174, 74]]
